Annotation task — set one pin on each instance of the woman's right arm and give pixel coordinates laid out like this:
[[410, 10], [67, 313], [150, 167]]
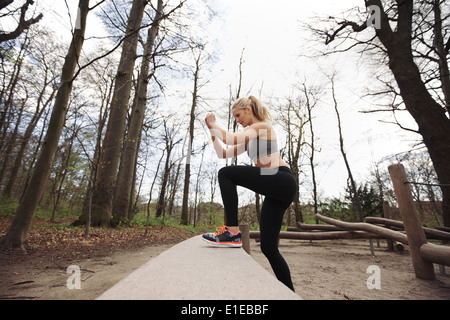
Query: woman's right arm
[[230, 152], [217, 135]]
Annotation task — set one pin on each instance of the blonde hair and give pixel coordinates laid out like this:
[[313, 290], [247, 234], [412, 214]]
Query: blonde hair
[[259, 111]]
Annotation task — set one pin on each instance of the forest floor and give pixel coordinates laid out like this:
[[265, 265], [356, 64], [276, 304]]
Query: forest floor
[[105, 258], [321, 270]]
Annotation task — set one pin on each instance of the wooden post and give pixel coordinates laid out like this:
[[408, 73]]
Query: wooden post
[[245, 234], [416, 236]]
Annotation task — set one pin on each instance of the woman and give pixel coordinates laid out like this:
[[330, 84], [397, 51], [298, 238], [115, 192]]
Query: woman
[[270, 177]]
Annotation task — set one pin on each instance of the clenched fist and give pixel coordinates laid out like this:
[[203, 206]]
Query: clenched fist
[[210, 120]]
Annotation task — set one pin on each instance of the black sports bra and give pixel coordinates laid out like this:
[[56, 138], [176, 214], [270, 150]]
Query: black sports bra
[[257, 148]]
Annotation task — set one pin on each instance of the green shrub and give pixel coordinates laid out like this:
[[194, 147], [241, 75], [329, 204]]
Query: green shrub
[[8, 207]]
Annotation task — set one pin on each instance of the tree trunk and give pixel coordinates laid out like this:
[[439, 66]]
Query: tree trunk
[[442, 52], [150, 194], [187, 174], [64, 168], [294, 145], [12, 140], [311, 157], [434, 125], [354, 192], [24, 144], [103, 194], [18, 230], [7, 102], [127, 166], [174, 189], [160, 208], [85, 216]]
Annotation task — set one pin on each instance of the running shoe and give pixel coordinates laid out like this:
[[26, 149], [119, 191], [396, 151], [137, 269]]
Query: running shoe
[[223, 237]]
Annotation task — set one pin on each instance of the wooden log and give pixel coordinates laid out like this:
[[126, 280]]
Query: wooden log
[[322, 227], [362, 226], [329, 235], [429, 232], [435, 253], [415, 234], [386, 222], [446, 229]]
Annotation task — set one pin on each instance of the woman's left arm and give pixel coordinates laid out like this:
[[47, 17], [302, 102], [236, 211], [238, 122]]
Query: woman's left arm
[[230, 152]]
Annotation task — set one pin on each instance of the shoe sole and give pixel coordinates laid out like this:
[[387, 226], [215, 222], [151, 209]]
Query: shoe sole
[[224, 244]]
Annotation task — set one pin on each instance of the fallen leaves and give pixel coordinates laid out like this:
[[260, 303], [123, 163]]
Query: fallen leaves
[[343, 294], [45, 241]]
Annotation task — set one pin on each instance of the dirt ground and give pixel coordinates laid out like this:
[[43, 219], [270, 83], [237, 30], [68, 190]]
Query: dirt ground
[[41, 272], [321, 270], [338, 270], [47, 280]]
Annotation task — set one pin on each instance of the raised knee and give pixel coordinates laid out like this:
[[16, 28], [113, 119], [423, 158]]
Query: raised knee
[[222, 173]]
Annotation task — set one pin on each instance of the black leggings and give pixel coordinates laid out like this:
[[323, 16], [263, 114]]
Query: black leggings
[[279, 188]]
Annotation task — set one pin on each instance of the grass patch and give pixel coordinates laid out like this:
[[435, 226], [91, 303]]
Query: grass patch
[[167, 221], [8, 207]]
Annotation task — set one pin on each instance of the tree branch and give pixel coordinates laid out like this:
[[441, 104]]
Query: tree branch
[[23, 23], [344, 24]]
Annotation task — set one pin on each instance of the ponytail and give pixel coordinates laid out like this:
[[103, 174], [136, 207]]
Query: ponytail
[[259, 111]]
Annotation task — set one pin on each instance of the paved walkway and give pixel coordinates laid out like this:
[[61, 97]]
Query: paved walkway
[[194, 270]]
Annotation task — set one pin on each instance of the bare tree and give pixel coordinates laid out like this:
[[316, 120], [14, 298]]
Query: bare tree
[[212, 175], [356, 202], [130, 151], [295, 116], [395, 36], [174, 185], [102, 77], [311, 99], [171, 139], [43, 87], [294, 124], [112, 144], [18, 230], [197, 197], [23, 23], [151, 193], [199, 61]]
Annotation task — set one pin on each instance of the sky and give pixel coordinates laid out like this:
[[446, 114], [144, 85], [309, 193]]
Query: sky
[[274, 60]]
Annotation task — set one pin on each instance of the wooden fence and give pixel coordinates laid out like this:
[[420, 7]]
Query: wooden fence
[[423, 253]]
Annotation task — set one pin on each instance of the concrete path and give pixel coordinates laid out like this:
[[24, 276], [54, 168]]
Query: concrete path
[[195, 270]]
